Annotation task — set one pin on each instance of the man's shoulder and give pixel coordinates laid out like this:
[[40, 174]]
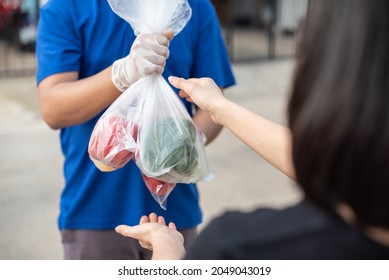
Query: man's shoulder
[[200, 5]]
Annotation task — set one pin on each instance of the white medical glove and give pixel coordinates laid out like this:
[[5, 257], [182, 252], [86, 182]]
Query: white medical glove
[[147, 56]]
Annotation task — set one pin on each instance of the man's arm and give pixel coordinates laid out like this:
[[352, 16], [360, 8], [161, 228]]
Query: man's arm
[[205, 124], [65, 100]]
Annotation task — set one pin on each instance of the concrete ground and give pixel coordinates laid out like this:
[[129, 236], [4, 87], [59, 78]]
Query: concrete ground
[[31, 162]]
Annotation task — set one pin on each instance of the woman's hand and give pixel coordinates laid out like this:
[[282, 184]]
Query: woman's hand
[[203, 92], [153, 234]]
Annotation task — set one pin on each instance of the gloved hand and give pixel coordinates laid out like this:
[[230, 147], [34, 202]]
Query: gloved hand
[[147, 56]]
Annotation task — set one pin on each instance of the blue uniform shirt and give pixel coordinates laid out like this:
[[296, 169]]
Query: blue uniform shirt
[[86, 36]]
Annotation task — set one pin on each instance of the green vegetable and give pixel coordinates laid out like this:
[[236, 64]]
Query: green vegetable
[[172, 147]]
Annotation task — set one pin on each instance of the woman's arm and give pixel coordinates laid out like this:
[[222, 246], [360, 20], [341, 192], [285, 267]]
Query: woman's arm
[[268, 139]]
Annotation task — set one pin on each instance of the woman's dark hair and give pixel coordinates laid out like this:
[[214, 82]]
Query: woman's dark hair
[[339, 107]]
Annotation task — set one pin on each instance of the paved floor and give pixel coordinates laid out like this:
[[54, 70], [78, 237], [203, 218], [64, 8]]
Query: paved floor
[[31, 172]]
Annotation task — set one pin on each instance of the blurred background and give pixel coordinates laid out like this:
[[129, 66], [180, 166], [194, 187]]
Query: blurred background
[[261, 37]]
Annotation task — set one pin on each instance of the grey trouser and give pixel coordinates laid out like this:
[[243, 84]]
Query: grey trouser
[[107, 245]]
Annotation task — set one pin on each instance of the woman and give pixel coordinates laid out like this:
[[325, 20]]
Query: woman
[[338, 136]]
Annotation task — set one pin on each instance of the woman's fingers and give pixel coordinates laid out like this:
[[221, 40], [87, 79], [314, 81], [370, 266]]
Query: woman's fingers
[[161, 220], [144, 219], [124, 230], [186, 85], [172, 226], [153, 218]]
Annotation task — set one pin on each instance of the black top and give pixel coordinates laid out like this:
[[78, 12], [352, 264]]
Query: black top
[[299, 232]]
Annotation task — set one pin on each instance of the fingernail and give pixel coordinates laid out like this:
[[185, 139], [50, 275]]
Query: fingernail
[[172, 79]]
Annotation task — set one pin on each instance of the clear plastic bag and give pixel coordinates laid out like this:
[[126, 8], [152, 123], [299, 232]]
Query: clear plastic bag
[[159, 132], [153, 16], [113, 140]]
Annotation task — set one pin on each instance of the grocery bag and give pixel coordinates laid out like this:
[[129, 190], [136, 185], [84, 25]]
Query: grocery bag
[[148, 122]]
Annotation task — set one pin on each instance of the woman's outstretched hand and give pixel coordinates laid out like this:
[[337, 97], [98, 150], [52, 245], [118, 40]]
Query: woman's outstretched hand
[[203, 92], [153, 234]]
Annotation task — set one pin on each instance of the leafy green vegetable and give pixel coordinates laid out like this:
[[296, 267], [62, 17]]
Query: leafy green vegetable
[[172, 147]]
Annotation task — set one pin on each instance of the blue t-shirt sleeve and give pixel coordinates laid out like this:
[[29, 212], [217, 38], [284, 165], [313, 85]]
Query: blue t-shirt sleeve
[[59, 46], [211, 54]]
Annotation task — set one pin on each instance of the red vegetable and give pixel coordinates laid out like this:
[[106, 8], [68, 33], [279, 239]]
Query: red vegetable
[[158, 187], [108, 144]]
